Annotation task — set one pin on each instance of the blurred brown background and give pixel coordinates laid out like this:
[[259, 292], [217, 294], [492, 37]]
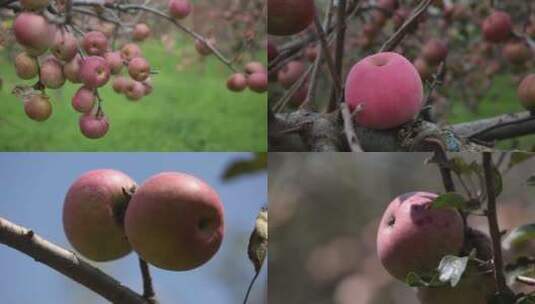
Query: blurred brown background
[[324, 213]]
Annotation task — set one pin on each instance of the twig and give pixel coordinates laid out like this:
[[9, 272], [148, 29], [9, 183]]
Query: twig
[[349, 129], [494, 229], [148, 289], [67, 263], [250, 287], [339, 55], [396, 38]]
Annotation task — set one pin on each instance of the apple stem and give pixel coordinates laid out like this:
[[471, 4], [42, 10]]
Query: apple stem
[[148, 289], [250, 287]]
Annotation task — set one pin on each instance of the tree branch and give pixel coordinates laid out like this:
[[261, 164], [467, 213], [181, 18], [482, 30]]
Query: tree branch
[[67, 263], [494, 229]]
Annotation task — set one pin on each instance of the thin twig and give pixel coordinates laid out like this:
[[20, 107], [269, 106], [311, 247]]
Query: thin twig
[[148, 289], [396, 38], [494, 229], [339, 54], [250, 287]]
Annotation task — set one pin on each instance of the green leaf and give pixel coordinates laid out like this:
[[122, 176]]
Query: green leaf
[[246, 166], [449, 199], [523, 266], [520, 235], [451, 269], [529, 299], [531, 181], [504, 298], [518, 157], [498, 181]]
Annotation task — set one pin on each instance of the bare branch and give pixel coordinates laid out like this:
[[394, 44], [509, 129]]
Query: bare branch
[[67, 263]]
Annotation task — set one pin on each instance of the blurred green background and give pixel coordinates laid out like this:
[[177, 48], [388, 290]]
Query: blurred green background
[[190, 109]]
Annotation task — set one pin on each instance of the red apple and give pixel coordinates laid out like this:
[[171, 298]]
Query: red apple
[[115, 61], [289, 17], [141, 32], [65, 46], [26, 66], [526, 92], [93, 125], [174, 221], [130, 51], [83, 100], [139, 68], [413, 237], [388, 89], [90, 212], [179, 9], [258, 82], [497, 27], [33, 32], [51, 73], [237, 82], [95, 43], [290, 73], [434, 51], [38, 107], [71, 69], [94, 71], [517, 52]]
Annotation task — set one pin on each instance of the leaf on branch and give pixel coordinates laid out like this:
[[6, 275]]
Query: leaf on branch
[[519, 236], [258, 242], [505, 298], [518, 157], [246, 166], [459, 166], [529, 299], [451, 269], [531, 181], [450, 200]]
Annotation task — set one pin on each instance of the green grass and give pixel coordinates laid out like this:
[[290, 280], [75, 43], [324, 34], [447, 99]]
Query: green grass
[[189, 110], [500, 99]]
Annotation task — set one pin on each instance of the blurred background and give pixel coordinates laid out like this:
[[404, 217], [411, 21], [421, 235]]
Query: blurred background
[[324, 214], [190, 107], [34, 186]]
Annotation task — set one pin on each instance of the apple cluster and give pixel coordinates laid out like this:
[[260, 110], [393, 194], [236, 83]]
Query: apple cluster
[[174, 221], [254, 77], [55, 55]]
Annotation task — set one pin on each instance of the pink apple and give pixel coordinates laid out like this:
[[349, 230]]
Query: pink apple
[[51, 73], [258, 82], [65, 46], [289, 17], [175, 221], [115, 61], [84, 100], [179, 9], [26, 66], [71, 69], [94, 71], [497, 27], [237, 82], [387, 88], [93, 126], [139, 68], [413, 237], [95, 43], [33, 32]]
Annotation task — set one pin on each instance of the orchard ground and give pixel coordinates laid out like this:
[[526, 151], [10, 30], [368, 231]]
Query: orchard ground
[[189, 110]]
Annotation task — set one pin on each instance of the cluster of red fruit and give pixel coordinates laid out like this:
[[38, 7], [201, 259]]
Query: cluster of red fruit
[[89, 61], [173, 220], [255, 77]]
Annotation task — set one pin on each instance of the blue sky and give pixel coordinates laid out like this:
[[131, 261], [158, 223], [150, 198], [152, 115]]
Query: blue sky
[[33, 188]]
